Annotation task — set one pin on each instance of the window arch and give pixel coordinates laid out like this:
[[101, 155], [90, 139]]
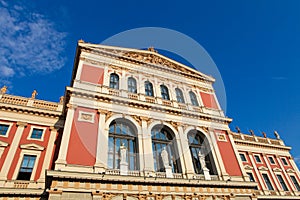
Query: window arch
[[193, 98], [163, 138], [122, 133], [131, 83], [179, 95], [114, 81], [198, 143], [164, 92], [149, 89]]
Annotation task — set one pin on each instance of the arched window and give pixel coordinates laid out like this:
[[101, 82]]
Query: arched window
[[122, 133], [164, 92], [193, 98], [163, 139], [149, 89], [198, 143], [179, 95], [114, 81], [132, 85]]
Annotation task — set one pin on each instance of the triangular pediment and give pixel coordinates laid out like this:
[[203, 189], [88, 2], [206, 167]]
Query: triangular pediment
[[276, 169], [149, 56], [290, 171], [32, 146], [248, 167], [262, 168], [3, 144]]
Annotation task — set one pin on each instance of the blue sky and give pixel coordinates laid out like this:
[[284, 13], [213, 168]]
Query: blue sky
[[255, 44]]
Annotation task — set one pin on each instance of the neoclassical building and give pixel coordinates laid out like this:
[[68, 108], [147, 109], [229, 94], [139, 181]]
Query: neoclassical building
[[134, 124]]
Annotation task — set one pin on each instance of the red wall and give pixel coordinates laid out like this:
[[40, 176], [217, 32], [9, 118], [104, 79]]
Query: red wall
[[92, 74], [229, 159], [83, 140], [209, 100], [24, 140]]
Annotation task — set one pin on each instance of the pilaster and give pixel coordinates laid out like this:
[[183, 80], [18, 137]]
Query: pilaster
[[62, 156], [148, 153], [49, 152], [12, 151], [102, 144], [186, 155]]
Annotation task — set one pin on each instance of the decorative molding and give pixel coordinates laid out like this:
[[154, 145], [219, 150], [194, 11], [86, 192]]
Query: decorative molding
[[248, 167], [32, 146], [22, 124], [262, 168], [86, 117], [3, 144]]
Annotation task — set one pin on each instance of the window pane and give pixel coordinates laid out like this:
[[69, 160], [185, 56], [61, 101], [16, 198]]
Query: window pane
[[3, 129], [179, 95], [114, 81], [26, 167], [164, 92], [267, 181], [282, 183], [295, 182], [193, 98], [148, 88], [243, 158]]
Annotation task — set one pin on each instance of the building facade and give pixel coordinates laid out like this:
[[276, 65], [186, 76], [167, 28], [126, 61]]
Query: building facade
[[135, 124]]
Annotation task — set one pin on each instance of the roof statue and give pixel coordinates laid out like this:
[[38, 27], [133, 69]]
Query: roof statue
[[34, 93], [251, 132], [61, 99], [3, 89], [277, 135], [238, 129], [264, 134]]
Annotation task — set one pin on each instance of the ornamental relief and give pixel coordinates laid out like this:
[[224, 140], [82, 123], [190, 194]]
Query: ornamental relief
[[109, 196]]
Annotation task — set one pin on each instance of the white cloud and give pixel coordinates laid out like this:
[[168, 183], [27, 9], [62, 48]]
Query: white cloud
[[6, 71], [30, 43]]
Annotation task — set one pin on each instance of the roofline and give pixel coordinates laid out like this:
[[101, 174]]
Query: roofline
[[85, 44]]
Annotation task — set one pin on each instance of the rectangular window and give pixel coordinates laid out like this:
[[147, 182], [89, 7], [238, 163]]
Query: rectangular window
[[3, 129], [272, 161], [36, 133], [243, 157], [284, 161], [295, 182], [257, 158], [267, 181], [251, 177], [26, 167], [282, 183]]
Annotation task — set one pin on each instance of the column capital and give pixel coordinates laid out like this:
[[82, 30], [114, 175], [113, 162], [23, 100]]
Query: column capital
[[54, 128], [71, 106], [22, 124], [101, 111]]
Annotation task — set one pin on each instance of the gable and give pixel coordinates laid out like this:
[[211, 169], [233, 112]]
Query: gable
[[148, 57]]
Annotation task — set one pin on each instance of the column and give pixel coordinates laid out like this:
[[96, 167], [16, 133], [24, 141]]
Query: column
[[285, 174], [102, 144], [188, 169], [12, 151], [271, 172], [49, 152], [148, 153], [62, 156], [217, 155], [236, 153], [258, 175]]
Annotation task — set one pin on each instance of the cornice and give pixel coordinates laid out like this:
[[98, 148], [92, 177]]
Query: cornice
[[144, 105], [142, 63]]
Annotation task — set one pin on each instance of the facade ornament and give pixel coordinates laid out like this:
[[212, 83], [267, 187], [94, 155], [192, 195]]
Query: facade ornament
[[203, 166], [238, 129], [34, 93], [123, 162], [3, 89], [277, 135], [108, 115], [61, 100], [264, 134], [251, 132], [123, 151], [152, 49], [137, 118], [165, 157]]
